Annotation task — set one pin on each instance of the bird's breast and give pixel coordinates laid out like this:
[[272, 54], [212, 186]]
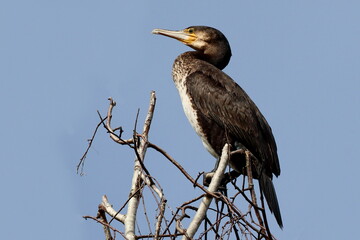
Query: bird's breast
[[192, 112]]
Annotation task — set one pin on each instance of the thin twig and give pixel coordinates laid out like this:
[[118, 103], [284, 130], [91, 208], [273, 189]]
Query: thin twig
[[186, 174], [117, 213], [252, 190], [106, 224], [160, 218], [82, 159], [110, 130]]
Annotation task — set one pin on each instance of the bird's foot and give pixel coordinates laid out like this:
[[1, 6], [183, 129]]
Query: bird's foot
[[207, 178], [226, 178]]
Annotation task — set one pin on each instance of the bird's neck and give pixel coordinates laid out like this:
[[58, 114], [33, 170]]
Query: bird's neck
[[218, 59]]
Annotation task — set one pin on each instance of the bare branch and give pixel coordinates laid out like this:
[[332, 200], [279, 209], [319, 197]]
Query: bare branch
[[150, 114], [108, 127], [225, 221], [148, 180], [82, 159], [160, 218], [186, 174], [105, 224], [214, 185], [135, 185], [252, 189], [107, 207], [101, 215]]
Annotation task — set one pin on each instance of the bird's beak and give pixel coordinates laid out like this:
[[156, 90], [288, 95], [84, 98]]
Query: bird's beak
[[182, 35]]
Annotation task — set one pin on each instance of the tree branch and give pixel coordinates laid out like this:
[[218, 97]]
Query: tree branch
[[101, 215], [82, 159], [186, 174], [106, 206], [136, 180], [214, 185], [229, 222], [108, 127]]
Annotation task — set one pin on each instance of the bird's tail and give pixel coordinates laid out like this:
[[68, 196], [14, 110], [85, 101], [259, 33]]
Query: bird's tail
[[268, 189]]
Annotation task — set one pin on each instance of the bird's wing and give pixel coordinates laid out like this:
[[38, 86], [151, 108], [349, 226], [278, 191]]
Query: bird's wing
[[219, 98]]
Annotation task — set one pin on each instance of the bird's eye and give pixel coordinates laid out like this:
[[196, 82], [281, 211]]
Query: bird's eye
[[191, 30]]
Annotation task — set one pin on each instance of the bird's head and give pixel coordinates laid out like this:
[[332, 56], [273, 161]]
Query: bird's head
[[206, 40]]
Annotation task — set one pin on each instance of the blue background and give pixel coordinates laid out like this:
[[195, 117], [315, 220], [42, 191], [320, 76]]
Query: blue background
[[61, 60]]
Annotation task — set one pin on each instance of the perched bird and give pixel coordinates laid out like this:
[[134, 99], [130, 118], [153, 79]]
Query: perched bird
[[219, 110]]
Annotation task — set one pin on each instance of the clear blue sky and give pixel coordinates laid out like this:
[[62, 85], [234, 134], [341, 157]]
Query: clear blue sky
[[61, 60]]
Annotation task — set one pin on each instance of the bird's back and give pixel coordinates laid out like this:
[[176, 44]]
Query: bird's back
[[212, 100]]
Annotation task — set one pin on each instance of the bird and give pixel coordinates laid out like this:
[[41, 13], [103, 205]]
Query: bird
[[220, 111]]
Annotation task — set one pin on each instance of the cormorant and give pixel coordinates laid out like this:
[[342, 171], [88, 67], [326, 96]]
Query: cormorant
[[219, 110]]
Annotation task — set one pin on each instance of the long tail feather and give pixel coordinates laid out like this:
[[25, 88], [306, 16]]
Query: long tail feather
[[268, 189]]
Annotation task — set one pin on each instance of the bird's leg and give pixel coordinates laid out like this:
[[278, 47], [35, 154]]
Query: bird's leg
[[239, 159], [208, 176], [228, 176], [238, 153], [216, 165]]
